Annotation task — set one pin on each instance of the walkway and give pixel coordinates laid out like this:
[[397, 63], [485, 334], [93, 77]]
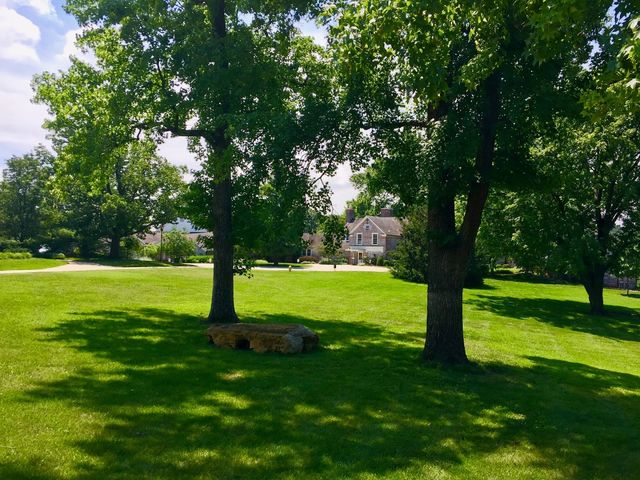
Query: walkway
[[91, 267]]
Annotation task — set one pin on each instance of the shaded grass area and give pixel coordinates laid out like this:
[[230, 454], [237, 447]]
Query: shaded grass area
[[29, 263], [124, 262], [282, 265], [117, 381]]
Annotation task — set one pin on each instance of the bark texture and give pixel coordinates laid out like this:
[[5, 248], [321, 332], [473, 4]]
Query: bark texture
[[114, 247], [593, 283], [222, 303]]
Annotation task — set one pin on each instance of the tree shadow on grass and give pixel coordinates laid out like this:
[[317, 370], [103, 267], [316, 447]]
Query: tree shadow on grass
[[620, 323], [178, 408]]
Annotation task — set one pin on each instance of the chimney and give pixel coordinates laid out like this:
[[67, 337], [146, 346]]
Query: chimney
[[386, 212], [350, 215]]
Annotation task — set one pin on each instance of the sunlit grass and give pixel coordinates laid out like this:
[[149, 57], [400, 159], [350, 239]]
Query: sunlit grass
[[108, 375], [29, 263]]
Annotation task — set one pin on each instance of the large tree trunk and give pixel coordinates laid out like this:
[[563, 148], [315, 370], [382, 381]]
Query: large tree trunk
[[593, 283], [114, 249], [450, 250], [447, 266], [222, 304]]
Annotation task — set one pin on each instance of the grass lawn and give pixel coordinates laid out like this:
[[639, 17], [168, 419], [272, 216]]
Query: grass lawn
[[107, 375], [29, 263], [124, 262]]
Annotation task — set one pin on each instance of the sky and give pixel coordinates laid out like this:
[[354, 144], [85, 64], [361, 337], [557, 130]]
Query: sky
[[37, 36]]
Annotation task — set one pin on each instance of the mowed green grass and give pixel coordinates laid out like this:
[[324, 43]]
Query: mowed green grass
[[107, 375], [29, 263]]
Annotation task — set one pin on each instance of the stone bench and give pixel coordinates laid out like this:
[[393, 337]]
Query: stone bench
[[283, 338]]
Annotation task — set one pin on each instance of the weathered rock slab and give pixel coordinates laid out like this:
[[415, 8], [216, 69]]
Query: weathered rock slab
[[274, 337]]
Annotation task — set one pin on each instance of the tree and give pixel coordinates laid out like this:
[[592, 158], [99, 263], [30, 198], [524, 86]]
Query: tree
[[372, 195], [333, 234], [411, 258], [449, 96], [142, 191], [177, 246], [232, 76], [271, 215], [112, 184], [589, 207], [23, 191]]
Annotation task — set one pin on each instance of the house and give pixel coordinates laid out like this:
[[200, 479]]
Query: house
[[371, 236], [313, 245]]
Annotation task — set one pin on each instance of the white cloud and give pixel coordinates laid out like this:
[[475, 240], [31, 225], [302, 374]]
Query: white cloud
[[18, 37], [20, 120], [61, 60], [342, 188], [43, 7]]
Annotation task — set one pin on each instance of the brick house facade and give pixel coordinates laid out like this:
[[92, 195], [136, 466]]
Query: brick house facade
[[371, 236]]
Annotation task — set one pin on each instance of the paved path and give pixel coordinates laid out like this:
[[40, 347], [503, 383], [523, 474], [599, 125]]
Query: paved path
[[71, 267], [91, 267]]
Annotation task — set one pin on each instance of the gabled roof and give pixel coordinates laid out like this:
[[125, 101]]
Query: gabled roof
[[387, 225]]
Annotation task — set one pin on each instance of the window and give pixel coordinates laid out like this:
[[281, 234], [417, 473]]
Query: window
[[374, 239], [359, 239], [308, 252], [367, 227]]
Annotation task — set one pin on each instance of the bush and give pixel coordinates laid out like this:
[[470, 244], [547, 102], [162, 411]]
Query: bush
[[478, 269], [151, 250], [199, 259], [177, 246], [308, 259], [15, 255], [54, 255], [61, 240], [9, 245], [131, 247], [333, 261], [380, 261]]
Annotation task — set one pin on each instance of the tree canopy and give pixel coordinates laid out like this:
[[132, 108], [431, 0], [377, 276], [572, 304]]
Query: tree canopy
[[237, 79], [23, 190], [450, 97]]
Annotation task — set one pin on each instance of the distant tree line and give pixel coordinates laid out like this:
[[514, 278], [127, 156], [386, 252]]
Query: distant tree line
[[50, 204]]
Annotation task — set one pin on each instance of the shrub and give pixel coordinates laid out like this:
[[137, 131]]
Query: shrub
[[61, 240], [478, 269], [9, 245], [151, 250], [308, 259], [333, 261], [14, 255], [199, 259], [54, 255], [131, 247], [380, 261], [369, 260], [178, 246]]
